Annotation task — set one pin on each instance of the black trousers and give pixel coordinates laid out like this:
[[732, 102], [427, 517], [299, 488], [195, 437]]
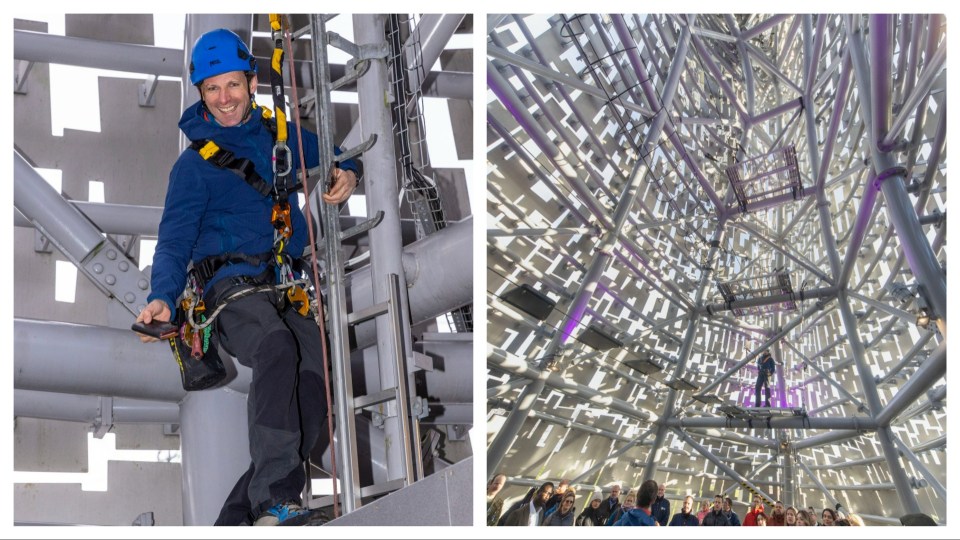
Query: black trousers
[[762, 382], [286, 403]]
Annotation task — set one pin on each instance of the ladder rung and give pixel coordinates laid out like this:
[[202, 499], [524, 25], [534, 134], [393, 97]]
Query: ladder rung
[[382, 396], [375, 310], [384, 487], [367, 491]]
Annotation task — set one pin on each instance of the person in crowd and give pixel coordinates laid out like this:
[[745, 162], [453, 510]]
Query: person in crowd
[[790, 517], [629, 502], [761, 519], [806, 519], [750, 520], [828, 517], [563, 516], [732, 518], [590, 517], [813, 514], [661, 506], [641, 515], [684, 518], [765, 370], [611, 504], [704, 509], [525, 500], [917, 520], [554, 503], [855, 520], [494, 500], [531, 514], [776, 519], [715, 517]]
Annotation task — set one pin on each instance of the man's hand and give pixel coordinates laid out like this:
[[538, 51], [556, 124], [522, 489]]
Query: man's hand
[[157, 309], [344, 182]]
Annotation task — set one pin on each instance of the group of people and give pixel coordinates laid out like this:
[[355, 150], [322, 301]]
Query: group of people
[[645, 506]]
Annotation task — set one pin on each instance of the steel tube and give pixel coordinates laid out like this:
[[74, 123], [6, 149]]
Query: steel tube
[[88, 408]]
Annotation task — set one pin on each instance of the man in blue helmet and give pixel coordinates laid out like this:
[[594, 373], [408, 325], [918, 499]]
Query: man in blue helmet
[[216, 218]]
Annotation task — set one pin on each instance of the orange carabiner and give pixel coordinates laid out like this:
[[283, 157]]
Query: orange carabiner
[[281, 219]]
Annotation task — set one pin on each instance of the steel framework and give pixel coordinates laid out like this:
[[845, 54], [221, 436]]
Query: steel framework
[[636, 160]]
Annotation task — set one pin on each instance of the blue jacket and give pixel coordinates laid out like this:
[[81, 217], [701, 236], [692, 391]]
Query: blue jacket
[[210, 211], [636, 517], [660, 509], [766, 366]]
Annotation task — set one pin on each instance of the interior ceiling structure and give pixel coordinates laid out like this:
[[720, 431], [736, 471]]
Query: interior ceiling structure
[[668, 196]]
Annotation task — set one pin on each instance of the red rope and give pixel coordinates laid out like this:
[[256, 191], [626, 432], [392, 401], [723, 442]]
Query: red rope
[[316, 279]]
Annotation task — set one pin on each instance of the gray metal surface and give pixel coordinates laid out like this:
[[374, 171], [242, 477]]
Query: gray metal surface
[[443, 498]]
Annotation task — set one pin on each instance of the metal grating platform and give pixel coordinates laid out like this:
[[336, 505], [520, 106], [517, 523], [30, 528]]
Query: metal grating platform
[[753, 288], [765, 177]]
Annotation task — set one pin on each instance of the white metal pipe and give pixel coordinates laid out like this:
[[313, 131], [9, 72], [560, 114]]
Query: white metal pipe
[[88, 409], [91, 53], [81, 359], [386, 247], [213, 437], [63, 224]]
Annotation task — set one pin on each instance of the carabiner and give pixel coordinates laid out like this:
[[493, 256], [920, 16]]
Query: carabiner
[[282, 152]]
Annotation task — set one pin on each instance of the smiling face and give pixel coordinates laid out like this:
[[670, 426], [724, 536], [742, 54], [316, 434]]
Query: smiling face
[[227, 97], [661, 489]]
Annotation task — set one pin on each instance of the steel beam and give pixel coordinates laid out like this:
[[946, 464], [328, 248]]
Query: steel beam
[[89, 408]]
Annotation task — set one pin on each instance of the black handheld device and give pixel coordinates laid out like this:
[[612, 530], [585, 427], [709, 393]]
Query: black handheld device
[[157, 329]]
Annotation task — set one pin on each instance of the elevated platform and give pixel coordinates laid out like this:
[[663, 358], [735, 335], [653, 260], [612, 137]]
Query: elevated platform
[[443, 498], [761, 413], [765, 177], [777, 283]]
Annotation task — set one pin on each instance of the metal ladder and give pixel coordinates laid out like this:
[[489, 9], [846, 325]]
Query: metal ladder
[[338, 320]]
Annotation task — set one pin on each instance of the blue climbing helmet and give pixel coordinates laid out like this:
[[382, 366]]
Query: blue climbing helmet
[[218, 52]]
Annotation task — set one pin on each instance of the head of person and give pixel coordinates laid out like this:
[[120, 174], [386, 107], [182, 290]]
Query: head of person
[[790, 516], [615, 492], [917, 520], [567, 502], [595, 503], [544, 493], [562, 486], [225, 73], [828, 517], [717, 503], [496, 484], [811, 511], [727, 504], [761, 520], [631, 500], [661, 489], [757, 501], [778, 508], [855, 520], [648, 492], [687, 504]]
